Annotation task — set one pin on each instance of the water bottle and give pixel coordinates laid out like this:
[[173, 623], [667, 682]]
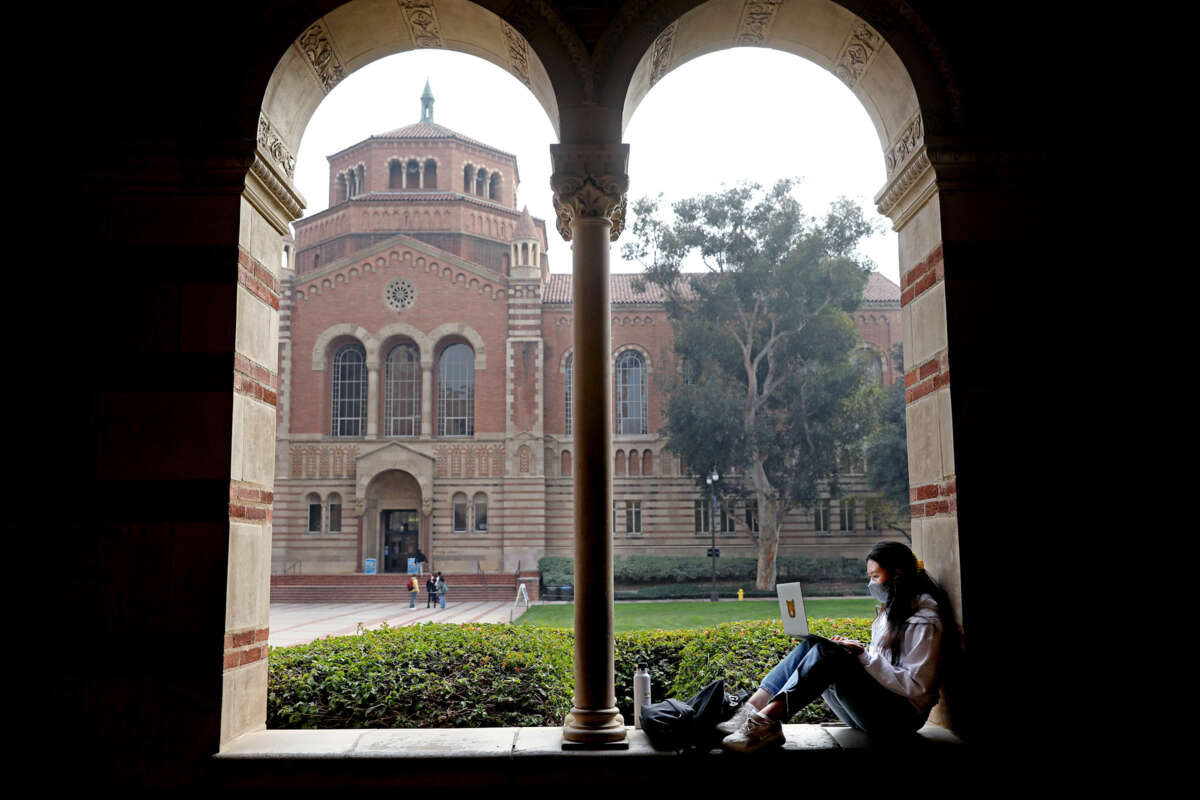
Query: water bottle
[[641, 693]]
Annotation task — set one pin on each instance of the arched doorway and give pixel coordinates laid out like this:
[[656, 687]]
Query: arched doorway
[[393, 521]]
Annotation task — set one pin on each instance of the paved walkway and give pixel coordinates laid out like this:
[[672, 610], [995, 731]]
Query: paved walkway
[[298, 623]]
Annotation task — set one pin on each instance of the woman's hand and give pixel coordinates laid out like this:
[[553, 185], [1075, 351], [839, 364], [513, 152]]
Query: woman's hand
[[852, 645]]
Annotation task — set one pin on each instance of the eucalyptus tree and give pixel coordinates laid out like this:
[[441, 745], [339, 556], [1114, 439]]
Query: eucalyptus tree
[[769, 390]]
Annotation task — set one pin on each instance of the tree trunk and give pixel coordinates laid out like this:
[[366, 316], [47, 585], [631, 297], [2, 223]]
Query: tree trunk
[[770, 522]]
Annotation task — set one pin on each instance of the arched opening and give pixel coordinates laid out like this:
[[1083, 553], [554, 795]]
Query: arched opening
[[395, 175], [392, 520], [430, 180], [494, 187]]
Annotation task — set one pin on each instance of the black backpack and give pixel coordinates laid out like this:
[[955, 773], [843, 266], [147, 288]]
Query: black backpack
[[675, 725]]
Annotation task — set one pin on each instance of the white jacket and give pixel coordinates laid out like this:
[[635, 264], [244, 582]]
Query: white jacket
[[915, 676]]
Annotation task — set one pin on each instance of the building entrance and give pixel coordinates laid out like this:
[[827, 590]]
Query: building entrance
[[400, 534]]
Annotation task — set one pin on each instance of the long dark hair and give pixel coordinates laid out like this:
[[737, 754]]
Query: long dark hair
[[908, 583]]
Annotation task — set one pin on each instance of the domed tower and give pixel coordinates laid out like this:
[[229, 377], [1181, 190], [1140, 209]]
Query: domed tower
[[526, 257]]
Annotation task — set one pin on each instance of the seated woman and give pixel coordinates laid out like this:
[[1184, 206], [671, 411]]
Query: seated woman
[[884, 689]]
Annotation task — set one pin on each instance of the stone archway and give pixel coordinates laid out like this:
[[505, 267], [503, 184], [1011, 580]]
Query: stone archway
[[589, 99]]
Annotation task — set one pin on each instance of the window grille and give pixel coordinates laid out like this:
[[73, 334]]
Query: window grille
[[481, 505], [402, 392], [456, 391], [631, 393], [314, 513], [335, 513], [846, 513], [569, 390], [460, 513], [633, 516], [821, 516], [349, 406]]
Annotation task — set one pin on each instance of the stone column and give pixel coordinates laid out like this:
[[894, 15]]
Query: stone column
[[427, 398], [421, 175], [589, 184], [373, 401]]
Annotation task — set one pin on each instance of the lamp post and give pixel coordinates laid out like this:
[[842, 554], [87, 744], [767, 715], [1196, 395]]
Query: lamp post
[[711, 480]]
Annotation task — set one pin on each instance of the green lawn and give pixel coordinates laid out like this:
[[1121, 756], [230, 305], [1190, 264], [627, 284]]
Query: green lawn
[[680, 614]]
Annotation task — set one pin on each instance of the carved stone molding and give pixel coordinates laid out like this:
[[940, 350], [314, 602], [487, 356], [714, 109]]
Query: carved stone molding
[[272, 194], [589, 181], [856, 54], [755, 25], [527, 16], [316, 45], [660, 61], [422, 21], [905, 144], [918, 171], [270, 141], [518, 52]]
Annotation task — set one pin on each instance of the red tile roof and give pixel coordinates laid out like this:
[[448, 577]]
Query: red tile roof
[[880, 290], [558, 289]]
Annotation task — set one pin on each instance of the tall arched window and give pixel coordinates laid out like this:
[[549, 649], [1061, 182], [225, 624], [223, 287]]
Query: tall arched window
[[430, 179], [402, 392], [630, 393], [460, 513], [349, 406], [395, 175], [456, 391], [568, 392]]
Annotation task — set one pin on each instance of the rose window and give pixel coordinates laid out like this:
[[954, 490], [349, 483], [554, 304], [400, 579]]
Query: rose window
[[399, 294]]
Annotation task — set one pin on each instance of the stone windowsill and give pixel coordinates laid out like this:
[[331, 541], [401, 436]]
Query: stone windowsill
[[504, 743]]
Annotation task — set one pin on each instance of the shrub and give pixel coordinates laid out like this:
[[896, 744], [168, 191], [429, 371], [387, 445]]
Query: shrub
[[639, 570], [427, 676], [686, 591], [497, 675], [743, 652]]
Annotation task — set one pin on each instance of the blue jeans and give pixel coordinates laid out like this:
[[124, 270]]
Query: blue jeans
[[819, 668], [412, 599]]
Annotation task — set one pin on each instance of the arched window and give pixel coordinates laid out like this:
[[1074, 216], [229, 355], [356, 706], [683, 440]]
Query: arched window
[[480, 504], [360, 183], [349, 406], [335, 513], [481, 182], [395, 175], [456, 391], [314, 512], [566, 464], [402, 392], [494, 187], [647, 463], [619, 466], [468, 178], [430, 181], [342, 192], [568, 392], [635, 463], [460, 513], [412, 175], [630, 393]]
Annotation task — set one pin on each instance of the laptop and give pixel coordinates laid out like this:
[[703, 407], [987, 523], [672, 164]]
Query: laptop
[[791, 608]]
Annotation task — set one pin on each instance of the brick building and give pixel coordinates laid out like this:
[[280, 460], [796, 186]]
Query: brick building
[[425, 353]]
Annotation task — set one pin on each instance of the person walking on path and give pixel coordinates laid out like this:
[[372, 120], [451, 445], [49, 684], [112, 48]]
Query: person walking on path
[[431, 591], [414, 588], [441, 587]]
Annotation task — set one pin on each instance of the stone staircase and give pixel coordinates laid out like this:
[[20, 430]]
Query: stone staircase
[[394, 587]]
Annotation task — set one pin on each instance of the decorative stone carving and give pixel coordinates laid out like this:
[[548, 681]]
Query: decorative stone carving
[[857, 53], [317, 47], [907, 143], [589, 181], [757, 16], [399, 294], [270, 193], [422, 23], [518, 53], [427, 505], [898, 186], [269, 141], [532, 15], [660, 60]]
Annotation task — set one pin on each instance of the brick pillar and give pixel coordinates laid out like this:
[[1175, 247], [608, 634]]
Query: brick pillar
[[589, 185]]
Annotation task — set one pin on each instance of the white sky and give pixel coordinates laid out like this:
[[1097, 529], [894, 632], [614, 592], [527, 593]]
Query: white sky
[[707, 123]]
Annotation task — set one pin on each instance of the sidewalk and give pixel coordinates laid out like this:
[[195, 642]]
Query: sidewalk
[[298, 623]]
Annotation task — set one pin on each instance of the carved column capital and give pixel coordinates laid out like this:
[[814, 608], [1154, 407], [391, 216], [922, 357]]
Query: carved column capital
[[590, 181]]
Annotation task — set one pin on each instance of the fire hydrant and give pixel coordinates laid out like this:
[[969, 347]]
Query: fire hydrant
[[740, 594]]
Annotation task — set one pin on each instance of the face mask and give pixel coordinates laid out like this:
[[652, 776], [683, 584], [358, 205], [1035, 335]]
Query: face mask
[[880, 591]]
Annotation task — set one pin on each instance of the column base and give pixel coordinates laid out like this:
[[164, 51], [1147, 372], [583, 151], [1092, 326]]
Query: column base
[[595, 730]]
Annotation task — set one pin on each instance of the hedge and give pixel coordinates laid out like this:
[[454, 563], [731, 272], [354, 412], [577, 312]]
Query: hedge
[[686, 591], [497, 675], [638, 570]]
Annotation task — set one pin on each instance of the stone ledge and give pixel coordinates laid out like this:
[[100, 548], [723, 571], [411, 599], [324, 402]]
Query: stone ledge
[[447, 744]]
